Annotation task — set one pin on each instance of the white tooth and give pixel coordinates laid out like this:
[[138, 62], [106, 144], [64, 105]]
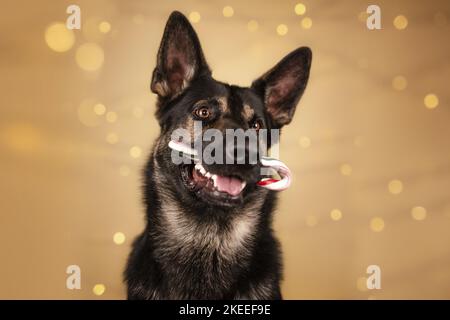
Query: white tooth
[[208, 175], [197, 166], [201, 169], [243, 184], [214, 179]]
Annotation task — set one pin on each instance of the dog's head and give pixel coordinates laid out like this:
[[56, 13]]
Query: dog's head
[[188, 93]]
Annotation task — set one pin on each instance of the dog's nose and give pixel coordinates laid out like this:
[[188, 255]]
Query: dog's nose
[[241, 151]]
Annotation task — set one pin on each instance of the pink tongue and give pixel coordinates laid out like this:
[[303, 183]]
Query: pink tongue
[[229, 185]]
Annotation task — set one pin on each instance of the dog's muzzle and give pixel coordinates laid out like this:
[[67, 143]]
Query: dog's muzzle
[[269, 163]]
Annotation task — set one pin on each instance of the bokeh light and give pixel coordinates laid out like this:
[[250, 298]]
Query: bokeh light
[[104, 27], [300, 9], [135, 152], [395, 186], [399, 83], [112, 138], [228, 12], [361, 284], [282, 29], [336, 214], [99, 289], [89, 57], [305, 142], [59, 38], [111, 116], [346, 169], [377, 224], [22, 137], [87, 114], [138, 19], [138, 112], [419, 213], [194, 17], [400, 22], [119, 238], [306, 23], [124, 171], [431, 101], [252, 25], [311, 220], [99, 109]]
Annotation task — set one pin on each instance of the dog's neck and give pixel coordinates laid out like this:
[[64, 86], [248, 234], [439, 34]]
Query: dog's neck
[[204, 253], [187, 231]]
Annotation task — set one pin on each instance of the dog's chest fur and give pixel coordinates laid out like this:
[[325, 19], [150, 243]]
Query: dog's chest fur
[[203, 256]]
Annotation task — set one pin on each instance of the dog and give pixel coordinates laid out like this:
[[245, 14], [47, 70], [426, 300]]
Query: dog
[[200, 242]]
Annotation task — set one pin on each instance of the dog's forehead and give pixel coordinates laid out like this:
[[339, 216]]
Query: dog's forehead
[[233, 100]]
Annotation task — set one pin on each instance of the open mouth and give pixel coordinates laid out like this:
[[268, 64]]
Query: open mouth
[[218, 189]]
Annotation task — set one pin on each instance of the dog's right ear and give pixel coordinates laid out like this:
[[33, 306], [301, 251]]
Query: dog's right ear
[[180, 58]]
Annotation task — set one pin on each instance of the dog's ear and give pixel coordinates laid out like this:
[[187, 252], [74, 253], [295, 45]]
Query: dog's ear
[[180, 58], [283, 85]]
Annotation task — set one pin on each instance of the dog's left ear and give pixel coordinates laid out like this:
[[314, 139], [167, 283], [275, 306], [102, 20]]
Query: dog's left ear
[[180, 58], [283, 85]]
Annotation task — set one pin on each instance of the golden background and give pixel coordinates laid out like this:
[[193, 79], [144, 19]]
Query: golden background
[[369, 145]]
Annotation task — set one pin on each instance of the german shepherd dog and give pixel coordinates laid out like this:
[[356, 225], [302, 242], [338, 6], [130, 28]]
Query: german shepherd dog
[[202, 241]]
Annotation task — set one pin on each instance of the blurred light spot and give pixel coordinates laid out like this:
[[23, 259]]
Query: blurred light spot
[[305, 142], [59, 38], [346, 169], [358, 141], [91, 30], [361, 284], [282, 29], [99, 109], [119, 238], [138, 112], [399, 83], [418, 213], [400, 22], [228, 11], [104, 27], [377, 224], [124, 171], [300, 9], [138, 19], [311, 221], [362, 16], [431, 101], [252, 25], [440, 19], [111, 116], [306, 23], [395, 186], [99, 289], [336, 214], [22, 137], [87, 114], [89, 57], [194, 16], [363, 63], [135, 152], [112, 138]]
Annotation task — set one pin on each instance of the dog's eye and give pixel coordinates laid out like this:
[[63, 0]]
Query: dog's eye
[[202, 113], [257, 124]]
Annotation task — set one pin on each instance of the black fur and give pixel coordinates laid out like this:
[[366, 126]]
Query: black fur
[[193, 247]]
